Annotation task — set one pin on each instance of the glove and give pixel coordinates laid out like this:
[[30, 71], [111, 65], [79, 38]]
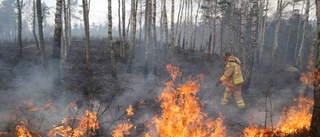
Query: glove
[[218, 83]]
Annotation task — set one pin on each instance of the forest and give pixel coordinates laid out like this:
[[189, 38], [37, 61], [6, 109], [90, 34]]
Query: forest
[[149, 68]]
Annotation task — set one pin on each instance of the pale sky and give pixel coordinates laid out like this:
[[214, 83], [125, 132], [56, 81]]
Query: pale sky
[[98, 11]]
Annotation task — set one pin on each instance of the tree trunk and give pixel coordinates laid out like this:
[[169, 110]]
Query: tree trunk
[[112, 48], [69, 25], [252, 46], [154, 36], [298, 37], [289, 33], [41, 39], [148, 37], [263, 31], [119, 14], [34, 24], [133, 35], [85, 6], [19, 39], [242, 33], [165, 22], [299, 59], [56, 54], [65, 34], [231, 27], [315, 120], [215, 25], [172, 29], [276, 32], [123, 38], [180, 14], [195, 27]]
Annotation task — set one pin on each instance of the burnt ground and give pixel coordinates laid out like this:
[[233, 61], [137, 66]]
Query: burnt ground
[[24, 87]]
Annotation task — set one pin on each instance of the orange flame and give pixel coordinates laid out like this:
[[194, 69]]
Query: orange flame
[[22, 131], [121, 130], [311, 76], [293, 119], [182, 114], [86, 126], [297, 117], [130, 111], [174, 71]]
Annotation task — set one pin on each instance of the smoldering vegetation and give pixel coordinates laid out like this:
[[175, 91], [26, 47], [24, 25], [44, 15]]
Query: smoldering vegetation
[[29, 97]]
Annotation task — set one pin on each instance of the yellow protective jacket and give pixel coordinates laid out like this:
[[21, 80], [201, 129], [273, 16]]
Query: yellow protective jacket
[[232, 71]]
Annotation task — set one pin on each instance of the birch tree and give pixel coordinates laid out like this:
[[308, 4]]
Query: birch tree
[[231, 27], [276, 31], [165, 22], [19, 39], [302, 45], [57, 41], [112, 48], [172, 28], [34, 24], [315, 119], [263, 19], [88, 67], [133, 35], [193, 42], [148, 36], [242, 32], [154, 37], [123, 38], [252, 47], [40, 32]]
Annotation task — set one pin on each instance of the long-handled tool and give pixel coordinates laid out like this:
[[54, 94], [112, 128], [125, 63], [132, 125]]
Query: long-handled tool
[[216, 86]]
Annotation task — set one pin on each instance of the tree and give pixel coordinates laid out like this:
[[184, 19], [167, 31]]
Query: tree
[[133, 35], [302, 45], [263, 19], [57, 42], [40, 29], [315, 120], [172, 28], [19, 39], [276, 31], [112, 49], [123, 38], [88, 68], [34, 24], [148, 36], [252, 47], [165, 22], [242, 33]]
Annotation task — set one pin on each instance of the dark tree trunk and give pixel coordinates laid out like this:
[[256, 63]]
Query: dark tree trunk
[[57, 43], [41, 39], [19, 39], [315, 120]]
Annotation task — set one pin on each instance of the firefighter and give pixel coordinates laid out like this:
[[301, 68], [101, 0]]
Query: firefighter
[[232, 78]]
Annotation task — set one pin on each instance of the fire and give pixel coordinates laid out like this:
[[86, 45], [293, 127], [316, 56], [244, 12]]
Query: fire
[[292, 119], [310, 76], [130, 111], [121, 130], [21, 131], [174, 71], [182, 113], [86, 125], [297, 117]]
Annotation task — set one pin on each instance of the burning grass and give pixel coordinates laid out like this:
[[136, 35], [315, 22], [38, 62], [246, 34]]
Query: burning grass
[[292, 121], [182, 115]]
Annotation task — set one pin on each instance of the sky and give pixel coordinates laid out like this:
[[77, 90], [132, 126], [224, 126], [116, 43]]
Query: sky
[[98, 12]]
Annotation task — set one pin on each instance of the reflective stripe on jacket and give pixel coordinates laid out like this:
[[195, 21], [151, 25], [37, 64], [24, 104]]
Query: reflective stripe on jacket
[[232, 71]]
